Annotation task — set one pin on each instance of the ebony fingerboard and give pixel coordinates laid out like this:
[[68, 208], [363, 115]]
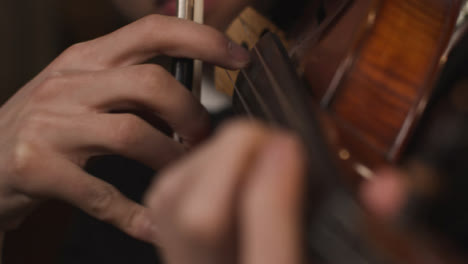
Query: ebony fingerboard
[[269, 89]]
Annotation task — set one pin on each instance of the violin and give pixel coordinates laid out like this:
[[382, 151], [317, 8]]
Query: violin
[[362, 83]]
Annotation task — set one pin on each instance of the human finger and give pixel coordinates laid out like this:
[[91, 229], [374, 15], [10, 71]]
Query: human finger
[[194, 198], [386, 194], [99, 199], [149, 88], [208, 207], [271, 203], [122, 134], [152, 36]]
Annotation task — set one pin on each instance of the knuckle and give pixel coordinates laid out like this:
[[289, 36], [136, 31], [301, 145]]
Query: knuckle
[[100, 201], [28, 142], [22, 160], [149, 22], [50, 86], [28, 147], [132, 222], [123, 135], [148, 25], [83, 52], [152, 70], [76, 48], [70, 54], [75, 51], [149, 79], [151, 76]]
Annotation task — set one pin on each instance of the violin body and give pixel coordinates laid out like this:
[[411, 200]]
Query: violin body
[[370, 70], [353, 79], [376, 89]]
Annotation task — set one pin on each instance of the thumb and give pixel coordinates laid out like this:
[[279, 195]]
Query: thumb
[[271, 205]]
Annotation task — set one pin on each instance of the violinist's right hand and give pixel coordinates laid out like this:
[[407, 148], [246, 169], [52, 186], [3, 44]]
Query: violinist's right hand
[[76, 108]]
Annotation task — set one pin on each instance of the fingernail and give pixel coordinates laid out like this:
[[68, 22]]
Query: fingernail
[[239, 53]]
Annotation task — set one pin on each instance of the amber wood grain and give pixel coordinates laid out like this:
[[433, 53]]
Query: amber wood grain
[[371, 76], [372, 72], [381, 86]]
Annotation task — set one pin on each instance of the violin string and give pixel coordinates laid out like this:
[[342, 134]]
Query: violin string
[[261, 102], [259, 98], [296, 122], [290, 112], [254, 89], [239, 94], [310, 40]]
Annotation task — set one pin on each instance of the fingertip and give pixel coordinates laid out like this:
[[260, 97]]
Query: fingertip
[[240, 55], [145, 229], [385, 195]]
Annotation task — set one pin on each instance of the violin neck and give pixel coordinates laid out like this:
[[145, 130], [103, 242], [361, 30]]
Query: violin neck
[[270, 90]]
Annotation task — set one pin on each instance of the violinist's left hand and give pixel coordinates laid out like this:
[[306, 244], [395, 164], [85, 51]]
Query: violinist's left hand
[[236, 200]]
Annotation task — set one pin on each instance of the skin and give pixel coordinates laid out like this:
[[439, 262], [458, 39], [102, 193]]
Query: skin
[[254, 190], [243, 188], [244, 206], [66, 115]]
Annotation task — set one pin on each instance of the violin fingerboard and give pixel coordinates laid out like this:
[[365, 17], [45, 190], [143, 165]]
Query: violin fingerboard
[[269, 89]]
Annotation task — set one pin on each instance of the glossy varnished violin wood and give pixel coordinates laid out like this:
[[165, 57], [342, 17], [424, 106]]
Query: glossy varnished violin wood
[[383, 82], [369, 69], [370, 66]]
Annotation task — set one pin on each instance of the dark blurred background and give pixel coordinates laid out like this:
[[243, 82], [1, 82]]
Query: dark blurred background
[[32, 34]]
